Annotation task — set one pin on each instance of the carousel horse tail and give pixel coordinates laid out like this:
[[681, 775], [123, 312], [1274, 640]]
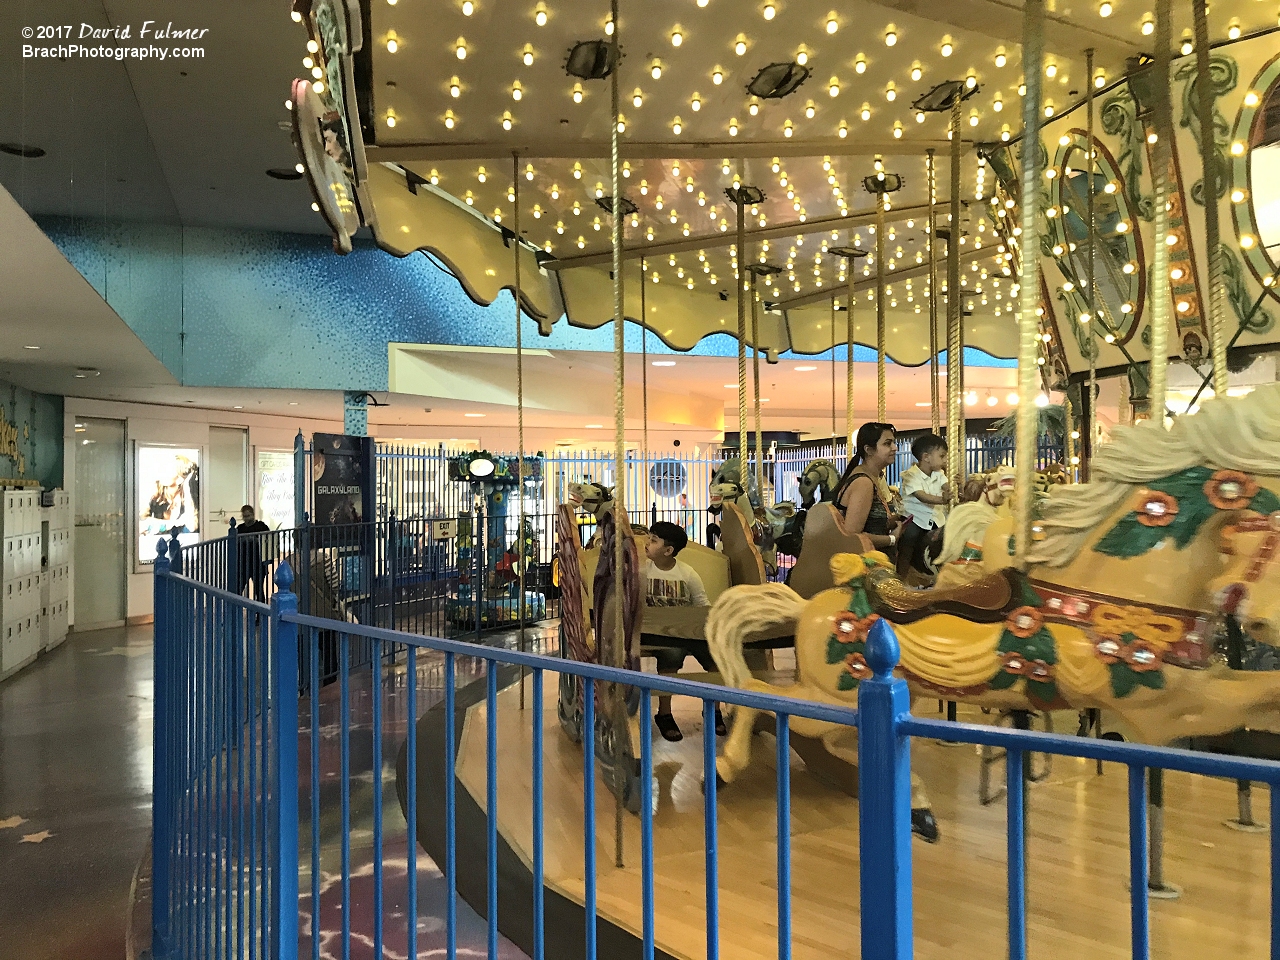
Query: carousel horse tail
[[741, 613]]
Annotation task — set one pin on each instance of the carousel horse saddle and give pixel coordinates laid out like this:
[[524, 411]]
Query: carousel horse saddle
[[983, 600]]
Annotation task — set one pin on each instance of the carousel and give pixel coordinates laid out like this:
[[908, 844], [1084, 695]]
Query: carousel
[[1087, 192]]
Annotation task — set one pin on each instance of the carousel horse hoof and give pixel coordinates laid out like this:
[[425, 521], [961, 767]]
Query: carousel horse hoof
[[1112, 735], [925, 825]]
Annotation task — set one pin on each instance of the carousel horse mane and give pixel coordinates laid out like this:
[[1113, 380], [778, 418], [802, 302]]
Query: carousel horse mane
[[1233, 433], [966, 522]]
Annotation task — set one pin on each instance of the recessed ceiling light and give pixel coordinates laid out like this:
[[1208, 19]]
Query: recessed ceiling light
[[595, 426], [664, 363], [473, 414], [24, 150], [237, 407], [731, 386], [805, 369], [924, 404], [30, 347], [293, 403]]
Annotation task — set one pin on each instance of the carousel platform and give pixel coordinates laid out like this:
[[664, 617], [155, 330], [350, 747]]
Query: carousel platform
[[1077, 855]]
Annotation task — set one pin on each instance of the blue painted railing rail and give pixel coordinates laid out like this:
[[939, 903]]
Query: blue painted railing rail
[[228, 781]]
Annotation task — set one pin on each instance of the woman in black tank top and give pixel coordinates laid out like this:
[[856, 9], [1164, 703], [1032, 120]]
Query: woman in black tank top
[[860, 495]]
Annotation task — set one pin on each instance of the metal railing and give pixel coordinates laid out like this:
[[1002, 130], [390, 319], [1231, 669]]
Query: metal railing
[[227, 854]]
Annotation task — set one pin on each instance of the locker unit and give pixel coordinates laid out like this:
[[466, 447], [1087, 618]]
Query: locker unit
[[22, 579], [55, 582]]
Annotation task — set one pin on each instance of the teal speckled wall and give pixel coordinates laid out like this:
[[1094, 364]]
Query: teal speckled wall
[[30, 436]]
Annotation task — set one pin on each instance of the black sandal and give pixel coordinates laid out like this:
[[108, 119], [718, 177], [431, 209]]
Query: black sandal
[[668, 727], [721, 729]]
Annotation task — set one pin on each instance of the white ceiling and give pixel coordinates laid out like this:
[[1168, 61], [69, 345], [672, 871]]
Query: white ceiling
[[48, 305]]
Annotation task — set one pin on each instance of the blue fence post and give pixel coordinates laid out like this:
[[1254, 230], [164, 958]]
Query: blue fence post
[[884, 803], [175, 554], [161, 837], [284, 796], [233, 559]]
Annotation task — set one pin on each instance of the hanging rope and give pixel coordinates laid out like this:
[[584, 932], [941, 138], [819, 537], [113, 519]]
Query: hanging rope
[[1157, 379], [833, 377], [619, 709], [755, 387], [520, 536], [1028, 270], [880, 324], [644, 371], [1091, 296], [955, 339], [741, 252], [1212, 188], [935, 414]]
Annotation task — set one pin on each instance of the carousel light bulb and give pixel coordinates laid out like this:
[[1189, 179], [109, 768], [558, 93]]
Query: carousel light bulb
[[312, 47], [1100, 80], [890, 93], [1022, 89], [696, 103], [802, 55], [860, 65], [297, 18], [655, 70], [717, 76], [1001, 59], [897, 129], [833, 87], [769, 11], [843, 130], [832, 24], [317, 72], [1233, 31], [676, 126], [970, 81], [435, 177], [810, 110], [468, 8], [753, 108], [1104, 8], [733, 128], [455, 88], [1251, 98], [392, 45], [677, 37], [787, 129], [1148, 25], [973, 118], [1246, 241], [1237, 196], [391, 119], [740, 47], [448, 120], [516, 92], [866, 111], [1129, 267], [1237, 148], [461, 49], [890, 37], [947, 49], [540, 15], [1187, 46]]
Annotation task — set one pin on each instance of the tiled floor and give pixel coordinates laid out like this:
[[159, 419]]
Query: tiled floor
[[75, 795]]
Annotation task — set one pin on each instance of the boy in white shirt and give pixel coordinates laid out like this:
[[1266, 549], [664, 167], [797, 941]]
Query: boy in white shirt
[[924, 489], [669, 582]]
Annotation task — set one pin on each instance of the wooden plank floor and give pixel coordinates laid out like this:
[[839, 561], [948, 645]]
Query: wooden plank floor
[[1077, 855]]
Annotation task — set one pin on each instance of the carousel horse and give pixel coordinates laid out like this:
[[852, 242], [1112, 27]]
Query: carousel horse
[[593, 498], [769, 521], [1126, 583], [821, 477]]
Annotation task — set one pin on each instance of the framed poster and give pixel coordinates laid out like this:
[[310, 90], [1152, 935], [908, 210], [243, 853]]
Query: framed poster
[[167, 493], [341, 468], [275, 488]]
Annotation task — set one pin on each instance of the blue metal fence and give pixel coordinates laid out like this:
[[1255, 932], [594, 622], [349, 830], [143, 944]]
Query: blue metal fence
[[228, 783]]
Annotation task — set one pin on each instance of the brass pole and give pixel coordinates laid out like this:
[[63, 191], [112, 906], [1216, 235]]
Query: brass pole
[[1160, 294], [1091, 222], [880, 397], [644, 370], [1028, 273], [619, 444], [955, 317], [833, 376], [1212, 190], [935, 418], [755, 388], [848, 361]]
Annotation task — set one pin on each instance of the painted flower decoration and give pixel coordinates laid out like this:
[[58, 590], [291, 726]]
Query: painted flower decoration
[[1141, 656], [1110, 650], [1023, 622], [856, 664], [1040, 671], [847, 567], [1013, 663], [1156, 509], [1230, 489], [845, 626]]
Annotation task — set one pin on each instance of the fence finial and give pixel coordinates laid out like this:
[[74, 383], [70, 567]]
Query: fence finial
[[162, 552], [284, 577], [882, 649]]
